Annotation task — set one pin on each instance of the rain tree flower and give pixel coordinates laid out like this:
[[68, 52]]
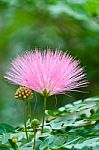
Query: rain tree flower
[[47, 73]]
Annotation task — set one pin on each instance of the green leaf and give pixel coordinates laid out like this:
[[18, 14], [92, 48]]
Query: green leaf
[[6, 128], [4, 147], [50, 113], [94, 117], [53, 141], [5, 138], [46, 142]]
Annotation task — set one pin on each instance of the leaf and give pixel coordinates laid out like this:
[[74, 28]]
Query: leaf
[[53, 141], [94, 117], [5, 138], [92, 99], [4, 147], [6, 128], [47, 142], [50, 113]]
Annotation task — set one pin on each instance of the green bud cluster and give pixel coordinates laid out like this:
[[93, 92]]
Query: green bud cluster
[[35, 124]]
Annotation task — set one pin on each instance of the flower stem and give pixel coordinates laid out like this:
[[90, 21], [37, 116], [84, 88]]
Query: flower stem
[[44, 108], [25, 119], [34, 140], [29, 108]]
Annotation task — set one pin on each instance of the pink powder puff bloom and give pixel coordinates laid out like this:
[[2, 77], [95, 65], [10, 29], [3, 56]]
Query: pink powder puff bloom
[[47, 72]]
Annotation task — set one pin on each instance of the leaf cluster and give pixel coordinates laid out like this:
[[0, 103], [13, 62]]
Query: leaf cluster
[[72, 127]]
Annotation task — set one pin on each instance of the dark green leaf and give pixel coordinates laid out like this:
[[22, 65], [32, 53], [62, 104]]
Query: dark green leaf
[[4, 147], [6, 128]]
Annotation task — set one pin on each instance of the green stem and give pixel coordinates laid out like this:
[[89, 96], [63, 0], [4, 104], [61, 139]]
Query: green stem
[[44, 108], [30, 112], [34, 140], [25, 119]]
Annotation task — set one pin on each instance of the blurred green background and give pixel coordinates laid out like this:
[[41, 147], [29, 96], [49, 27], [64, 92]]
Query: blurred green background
[[71, 25]]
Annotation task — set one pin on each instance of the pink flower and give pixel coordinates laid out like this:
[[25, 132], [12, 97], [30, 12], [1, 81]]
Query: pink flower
[[47, 72]]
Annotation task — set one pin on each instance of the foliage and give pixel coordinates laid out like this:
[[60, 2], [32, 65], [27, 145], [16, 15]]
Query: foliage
[[73, 126], [71, 25]]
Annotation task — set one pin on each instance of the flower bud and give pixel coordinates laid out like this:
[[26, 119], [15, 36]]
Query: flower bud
[[23, 93], [35, 124], [14, 140]]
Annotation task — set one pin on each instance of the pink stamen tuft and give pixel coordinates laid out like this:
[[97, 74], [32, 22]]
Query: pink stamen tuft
[[47, 72]]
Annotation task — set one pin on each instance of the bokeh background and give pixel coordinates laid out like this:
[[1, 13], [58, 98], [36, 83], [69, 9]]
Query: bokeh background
[[71, 25]]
